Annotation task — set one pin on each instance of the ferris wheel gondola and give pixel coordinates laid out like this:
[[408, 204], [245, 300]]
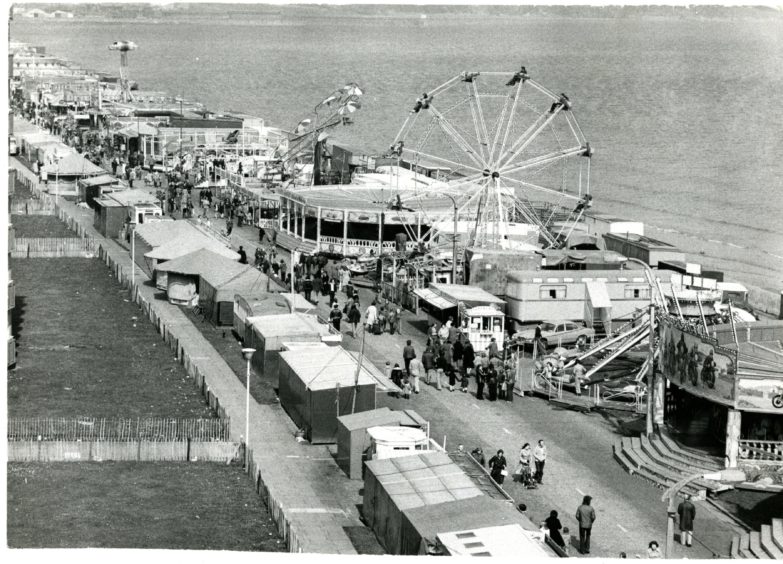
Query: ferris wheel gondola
[[509, 150]]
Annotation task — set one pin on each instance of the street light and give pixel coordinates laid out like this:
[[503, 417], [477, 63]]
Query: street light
[[181, 117], [453, 242], [728, 475], [248, 354]]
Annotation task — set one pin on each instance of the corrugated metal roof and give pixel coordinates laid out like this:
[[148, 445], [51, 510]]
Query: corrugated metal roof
[[250, 282], [423, 479], [322, 369], [289, 324], [434, 299]]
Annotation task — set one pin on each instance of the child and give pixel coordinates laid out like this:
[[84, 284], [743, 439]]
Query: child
[[465, 380], [406, 389]]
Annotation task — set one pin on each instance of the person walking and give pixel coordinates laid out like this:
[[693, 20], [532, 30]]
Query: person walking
[[492, 383], [497, 467], [480, 377], [406, 389], [372, 317], [687, 514], [332, 288], [428, 363], [468, 355], [579, 374], [393, 317], [492, 349], [408, 354], [442, 365], [307, 286], [396, 375], [585, 515], [416, 370], [523, 469], [510, 381], [554, 526], [539, 458], [335, 316], [354, 318]]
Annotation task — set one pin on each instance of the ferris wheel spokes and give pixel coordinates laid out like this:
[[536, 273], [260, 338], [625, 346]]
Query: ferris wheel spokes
[[416, 154], [526, 139], [480, 125], [508, 123], [542, 160], [449, 130], [542, 188]]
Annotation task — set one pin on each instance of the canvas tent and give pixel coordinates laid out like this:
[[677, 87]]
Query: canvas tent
[[353, 440], [73, 165], [267, 333], [395, 485], [318, 387], [155, 234], [216, 292], [180, 276], [247, 307]]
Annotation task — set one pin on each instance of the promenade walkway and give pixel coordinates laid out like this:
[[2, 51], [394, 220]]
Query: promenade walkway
[[316, 498]]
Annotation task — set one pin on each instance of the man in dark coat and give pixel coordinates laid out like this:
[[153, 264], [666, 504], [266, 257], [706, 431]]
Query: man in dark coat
[[408, 354], [335, 316], [585, 515], [497, 467], [687, 513]]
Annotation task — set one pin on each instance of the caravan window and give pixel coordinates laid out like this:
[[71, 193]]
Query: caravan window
[[551, 292], [637, 292]]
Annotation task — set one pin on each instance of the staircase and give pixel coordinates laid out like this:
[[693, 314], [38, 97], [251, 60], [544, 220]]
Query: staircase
[[765, 544], [663, 462]]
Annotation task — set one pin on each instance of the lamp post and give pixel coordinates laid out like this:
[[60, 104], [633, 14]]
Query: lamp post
[[181, 117], [453, 242], [248, 354], [728, 475]]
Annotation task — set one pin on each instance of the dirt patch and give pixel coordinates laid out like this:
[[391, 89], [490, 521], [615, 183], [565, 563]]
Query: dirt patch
[[83, 349], [225, 342], [41, 226], [203, 506]]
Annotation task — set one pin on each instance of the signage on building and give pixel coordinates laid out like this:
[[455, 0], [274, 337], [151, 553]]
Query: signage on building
[[760, 394], [697, 364]]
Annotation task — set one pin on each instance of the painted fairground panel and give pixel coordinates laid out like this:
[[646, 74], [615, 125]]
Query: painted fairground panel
[[695, 363], [760, 394]]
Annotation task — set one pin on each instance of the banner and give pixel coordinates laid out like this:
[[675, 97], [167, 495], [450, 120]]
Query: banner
[[697, 364], [760, 394]]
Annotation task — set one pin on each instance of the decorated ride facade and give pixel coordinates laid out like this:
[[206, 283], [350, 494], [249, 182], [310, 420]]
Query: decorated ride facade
[[725, 381]]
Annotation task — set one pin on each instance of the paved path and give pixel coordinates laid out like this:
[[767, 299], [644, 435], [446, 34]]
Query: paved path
[[630, 512]]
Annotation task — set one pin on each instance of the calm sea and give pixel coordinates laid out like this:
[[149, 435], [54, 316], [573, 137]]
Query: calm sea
[[684, 115]]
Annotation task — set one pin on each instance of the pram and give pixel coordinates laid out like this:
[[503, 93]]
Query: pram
[[524, 476]]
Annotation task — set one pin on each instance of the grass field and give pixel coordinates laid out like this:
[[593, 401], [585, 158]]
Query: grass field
[[41, 226], [85, 350], [200, 506]]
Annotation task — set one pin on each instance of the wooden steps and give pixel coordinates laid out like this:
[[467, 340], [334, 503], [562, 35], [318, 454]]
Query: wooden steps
[[760, 545], [658, 451], [768, 544], [777, 533], [694, 457]]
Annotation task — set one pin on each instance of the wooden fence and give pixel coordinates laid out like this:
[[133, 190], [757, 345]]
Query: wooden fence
[[92, 429], [54, 247], [137, 450], [42, 206]]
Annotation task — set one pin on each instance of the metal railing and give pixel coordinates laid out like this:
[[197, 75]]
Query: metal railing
[[763, 451]]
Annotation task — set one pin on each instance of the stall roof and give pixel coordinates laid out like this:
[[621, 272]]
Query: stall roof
[[434, 299], [505, 541], [201, 262], [423, 479], [464, 514], [297, 302], [101, 180], [381, 416], [182, 246], [288, 324], [322, 369], [134, 129], [461, 293], [383, 383], [247, 283], [74, 164], [158, 233], [132, 196]]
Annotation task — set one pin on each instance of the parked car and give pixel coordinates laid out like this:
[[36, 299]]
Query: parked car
[[13, 148], [557, 333]]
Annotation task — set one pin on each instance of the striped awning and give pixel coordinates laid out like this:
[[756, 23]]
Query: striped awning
[[434, 299]]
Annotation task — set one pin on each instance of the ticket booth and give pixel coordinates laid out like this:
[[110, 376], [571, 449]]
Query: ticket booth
[[484, 323]]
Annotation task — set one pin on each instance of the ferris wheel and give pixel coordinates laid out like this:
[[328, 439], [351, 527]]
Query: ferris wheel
[[509, 149]]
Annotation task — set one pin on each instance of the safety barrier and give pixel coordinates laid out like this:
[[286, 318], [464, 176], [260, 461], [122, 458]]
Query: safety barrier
[[53, 247]]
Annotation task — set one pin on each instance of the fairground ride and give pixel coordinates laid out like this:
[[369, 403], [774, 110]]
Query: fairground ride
[[509, 151], [306, 144]]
